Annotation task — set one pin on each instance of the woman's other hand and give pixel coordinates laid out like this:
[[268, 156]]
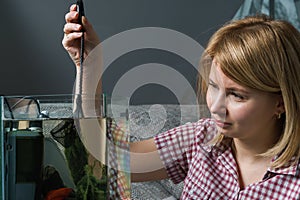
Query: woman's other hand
[[73, 32]]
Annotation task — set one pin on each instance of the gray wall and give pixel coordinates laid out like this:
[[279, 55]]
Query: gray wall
[[33, 61]]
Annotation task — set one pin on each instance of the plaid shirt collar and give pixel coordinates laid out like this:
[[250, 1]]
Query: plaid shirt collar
[[291, 168]]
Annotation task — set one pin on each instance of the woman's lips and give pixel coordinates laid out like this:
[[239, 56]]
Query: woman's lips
[[222, 124]]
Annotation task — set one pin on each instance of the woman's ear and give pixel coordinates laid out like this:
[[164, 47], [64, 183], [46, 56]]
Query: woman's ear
[[280, 105]]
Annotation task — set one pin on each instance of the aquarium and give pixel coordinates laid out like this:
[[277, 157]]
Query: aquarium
[[57, 146]]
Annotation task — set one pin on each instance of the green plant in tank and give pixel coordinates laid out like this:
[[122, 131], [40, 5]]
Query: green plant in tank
[[77, 158], [88, 187]]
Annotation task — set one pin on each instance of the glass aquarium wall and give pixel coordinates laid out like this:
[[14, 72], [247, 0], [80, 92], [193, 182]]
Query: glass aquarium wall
[[51, 148]]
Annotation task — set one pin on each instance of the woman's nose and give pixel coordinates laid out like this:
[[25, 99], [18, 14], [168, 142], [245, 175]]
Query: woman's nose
[[218, 105]]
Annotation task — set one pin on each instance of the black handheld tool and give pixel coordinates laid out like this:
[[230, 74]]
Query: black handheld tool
[[80, 11]]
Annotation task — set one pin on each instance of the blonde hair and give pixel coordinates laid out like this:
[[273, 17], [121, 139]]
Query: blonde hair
[[262, 54]]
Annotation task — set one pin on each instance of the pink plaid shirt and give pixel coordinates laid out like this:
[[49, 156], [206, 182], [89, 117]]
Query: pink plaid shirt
[[210, 172]]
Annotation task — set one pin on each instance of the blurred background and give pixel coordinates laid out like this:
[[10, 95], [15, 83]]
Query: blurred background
[[33, 61]]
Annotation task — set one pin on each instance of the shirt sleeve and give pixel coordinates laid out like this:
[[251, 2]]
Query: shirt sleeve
[[177, 147]]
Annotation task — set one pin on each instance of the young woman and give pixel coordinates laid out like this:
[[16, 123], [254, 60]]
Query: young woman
[[250, 147]]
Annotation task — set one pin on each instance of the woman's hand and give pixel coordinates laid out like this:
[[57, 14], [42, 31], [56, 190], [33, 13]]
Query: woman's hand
[[73, 33]]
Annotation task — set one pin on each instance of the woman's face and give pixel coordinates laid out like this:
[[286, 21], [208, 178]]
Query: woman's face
[[241, 112]]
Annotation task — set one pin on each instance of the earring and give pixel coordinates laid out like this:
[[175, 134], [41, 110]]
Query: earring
[[279, 116]]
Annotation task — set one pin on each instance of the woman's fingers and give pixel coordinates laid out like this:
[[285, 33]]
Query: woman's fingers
[[73, 31], [73, 7], [72, 27], [69, 39], [72, 16]]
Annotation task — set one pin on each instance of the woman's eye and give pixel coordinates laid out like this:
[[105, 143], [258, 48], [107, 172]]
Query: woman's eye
[[237, 96], [212, 85]]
